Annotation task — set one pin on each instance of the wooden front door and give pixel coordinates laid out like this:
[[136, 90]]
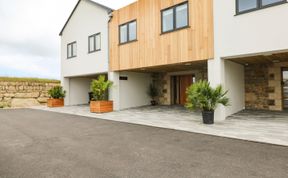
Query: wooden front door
[[285, 87], [184, 81]]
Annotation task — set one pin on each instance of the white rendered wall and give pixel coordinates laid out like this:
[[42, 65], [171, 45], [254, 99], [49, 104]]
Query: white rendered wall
[[79, 89], [260, 31], [88, 19], [114, 91], [216, 76], [133, 92], [235, 84], [65, 82]]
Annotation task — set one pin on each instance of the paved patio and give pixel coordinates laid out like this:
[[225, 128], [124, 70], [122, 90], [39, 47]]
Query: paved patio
[[259, 126]]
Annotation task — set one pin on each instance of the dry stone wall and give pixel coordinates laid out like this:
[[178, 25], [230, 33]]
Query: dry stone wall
[[24, 94]]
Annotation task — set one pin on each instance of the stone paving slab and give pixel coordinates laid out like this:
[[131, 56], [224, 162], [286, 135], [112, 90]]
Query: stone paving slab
[[258, 126]]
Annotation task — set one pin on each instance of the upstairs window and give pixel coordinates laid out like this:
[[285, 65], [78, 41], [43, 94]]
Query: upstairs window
[[128, 32], [174, 18], [251, 5], [72, 50], [94, 43]]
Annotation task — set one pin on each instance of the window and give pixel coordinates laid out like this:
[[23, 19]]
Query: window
[[269, 2], [72, 50], [94, 43], [128, 32], [174, 18], [251, 5]]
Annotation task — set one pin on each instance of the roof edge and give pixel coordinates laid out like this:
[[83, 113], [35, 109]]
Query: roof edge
[[95, 3]]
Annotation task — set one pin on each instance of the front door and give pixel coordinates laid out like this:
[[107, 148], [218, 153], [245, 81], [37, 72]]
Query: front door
[[184, 81], [285, 87]]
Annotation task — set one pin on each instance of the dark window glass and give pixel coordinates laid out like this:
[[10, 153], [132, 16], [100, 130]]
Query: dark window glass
[[94, 43], [251, 5], [72, 50], [175, 17], [244, 5], [167, 20], [128, 32], [132, 31], [268, 2], [182, 16], [123, 34]]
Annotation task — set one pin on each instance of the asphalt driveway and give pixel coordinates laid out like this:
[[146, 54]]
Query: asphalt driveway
[[37, 143]]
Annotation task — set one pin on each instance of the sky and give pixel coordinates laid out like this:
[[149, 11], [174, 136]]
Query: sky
[[29, 35]]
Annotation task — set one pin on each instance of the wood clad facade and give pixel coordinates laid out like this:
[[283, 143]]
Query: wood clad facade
[[152, 48]]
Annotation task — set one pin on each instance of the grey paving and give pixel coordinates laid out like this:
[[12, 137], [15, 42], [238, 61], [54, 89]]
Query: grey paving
[[36, 144], [259, 126]]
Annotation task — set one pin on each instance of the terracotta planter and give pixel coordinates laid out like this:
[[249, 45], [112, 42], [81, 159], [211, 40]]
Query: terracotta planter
[[52, 103], [101, 106]]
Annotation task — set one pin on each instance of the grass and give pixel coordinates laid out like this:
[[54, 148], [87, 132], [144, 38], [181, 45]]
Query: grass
[[38, 80]]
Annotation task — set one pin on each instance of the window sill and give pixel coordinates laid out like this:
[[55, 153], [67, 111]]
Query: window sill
[[263, 7], [120, 44], [71, 57], [90, 52], [178, 29]]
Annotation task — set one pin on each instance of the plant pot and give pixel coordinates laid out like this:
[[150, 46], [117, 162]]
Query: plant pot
[[208, 117], [101, 106], [52, 103], [153, 103]]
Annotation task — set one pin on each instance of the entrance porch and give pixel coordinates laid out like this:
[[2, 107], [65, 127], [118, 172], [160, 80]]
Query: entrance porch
[[266, 81]]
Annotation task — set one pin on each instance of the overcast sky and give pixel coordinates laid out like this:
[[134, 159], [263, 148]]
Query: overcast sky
[[29, 41]]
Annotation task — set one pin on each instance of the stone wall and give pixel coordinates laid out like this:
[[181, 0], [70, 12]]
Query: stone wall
[[256, 87], [24, 94], [263, 88]]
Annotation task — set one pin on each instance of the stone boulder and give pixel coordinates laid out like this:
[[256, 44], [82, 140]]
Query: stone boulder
[[21, 103]]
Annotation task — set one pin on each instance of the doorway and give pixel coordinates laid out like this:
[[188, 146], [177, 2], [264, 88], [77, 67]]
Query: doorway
[[179, 85], [285, 87]]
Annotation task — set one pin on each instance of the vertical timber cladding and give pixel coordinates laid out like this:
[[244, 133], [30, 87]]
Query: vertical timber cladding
[[153, 48]]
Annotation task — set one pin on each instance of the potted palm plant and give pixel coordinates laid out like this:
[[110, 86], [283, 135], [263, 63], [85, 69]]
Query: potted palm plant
[[99, 89], [201, 96], [153, 92], [57, 95]]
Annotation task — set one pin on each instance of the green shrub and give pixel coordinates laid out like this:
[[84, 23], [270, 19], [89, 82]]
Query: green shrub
[[57, 92], [153, 91], [201, 96], [100, 87]]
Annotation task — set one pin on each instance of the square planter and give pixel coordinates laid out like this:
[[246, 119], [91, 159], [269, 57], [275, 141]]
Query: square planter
[[52, 103], [101, 106]]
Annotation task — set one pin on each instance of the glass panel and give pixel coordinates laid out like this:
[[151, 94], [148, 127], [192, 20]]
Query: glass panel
[[69, 51], [167, 20], [267, 2], [123, 34], [244, 5], [132, 31], [285, 88], [91, 44], [74, 49], [182, 16], [98, 42]]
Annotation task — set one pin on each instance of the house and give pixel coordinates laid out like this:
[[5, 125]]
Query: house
[[251, 53], [84, 49], [147, 45], [240, 44]]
